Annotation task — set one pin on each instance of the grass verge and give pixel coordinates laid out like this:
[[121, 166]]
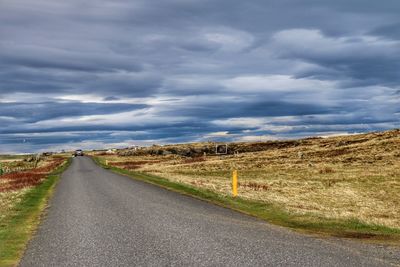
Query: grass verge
[[307, 223], [16, 230]]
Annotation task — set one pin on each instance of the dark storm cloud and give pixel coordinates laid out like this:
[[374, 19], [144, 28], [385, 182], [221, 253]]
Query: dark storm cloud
[[30, 80], [34, 112], [366, 59], [195, 68], [166, 127], [389, 31], [233, 109]]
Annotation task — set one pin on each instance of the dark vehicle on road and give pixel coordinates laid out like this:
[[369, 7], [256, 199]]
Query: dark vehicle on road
[[78, 152]]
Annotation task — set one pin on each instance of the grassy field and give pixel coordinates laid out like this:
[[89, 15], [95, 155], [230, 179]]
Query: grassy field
[[24, 191], [353, 179]]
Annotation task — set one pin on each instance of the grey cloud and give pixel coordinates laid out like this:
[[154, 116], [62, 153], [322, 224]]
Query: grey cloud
[[389, 31], [256, 108], [67, 82], [34, 112], [367, 59], [64, 59], [174, 56], [110, 98]]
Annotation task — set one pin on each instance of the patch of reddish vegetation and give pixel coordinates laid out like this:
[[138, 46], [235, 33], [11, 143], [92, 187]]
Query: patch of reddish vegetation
[[254, 186], [194, 160], [131, 165], [102, 154], [18, 180]]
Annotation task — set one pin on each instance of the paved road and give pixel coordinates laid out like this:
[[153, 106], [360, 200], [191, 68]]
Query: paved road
[[98, 218]]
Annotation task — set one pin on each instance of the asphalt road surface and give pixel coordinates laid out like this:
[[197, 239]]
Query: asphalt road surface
[[98, 218]]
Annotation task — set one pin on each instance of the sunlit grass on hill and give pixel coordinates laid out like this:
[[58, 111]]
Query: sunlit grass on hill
[[341, 178]]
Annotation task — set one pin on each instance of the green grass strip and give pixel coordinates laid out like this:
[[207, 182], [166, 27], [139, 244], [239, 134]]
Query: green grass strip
[[308, 223], [16, 230]]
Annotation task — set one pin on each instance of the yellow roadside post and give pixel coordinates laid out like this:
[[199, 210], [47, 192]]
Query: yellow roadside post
[[234, 183], [107, 162]]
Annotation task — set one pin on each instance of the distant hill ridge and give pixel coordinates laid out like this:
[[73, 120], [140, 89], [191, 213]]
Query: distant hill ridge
[[374, 142]]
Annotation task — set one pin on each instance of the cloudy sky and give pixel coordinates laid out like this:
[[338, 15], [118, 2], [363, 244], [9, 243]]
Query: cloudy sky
[[113, 73]]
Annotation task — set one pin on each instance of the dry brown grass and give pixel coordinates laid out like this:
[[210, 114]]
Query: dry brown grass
[[15, 184], [22, 204], [339, 177]]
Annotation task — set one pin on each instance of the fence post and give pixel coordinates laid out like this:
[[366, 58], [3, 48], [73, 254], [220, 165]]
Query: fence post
[[235, 183]]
